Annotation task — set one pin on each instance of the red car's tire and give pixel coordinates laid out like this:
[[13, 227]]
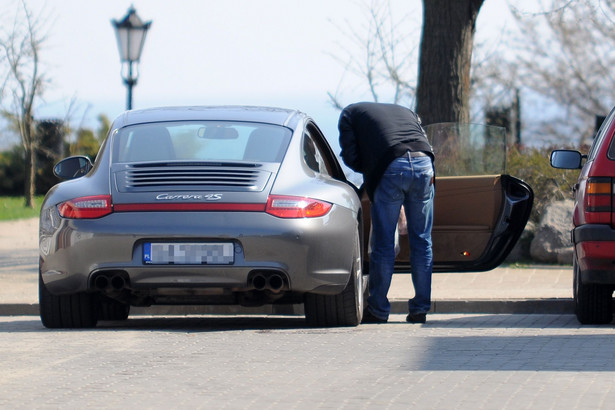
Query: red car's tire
[[593, 303]]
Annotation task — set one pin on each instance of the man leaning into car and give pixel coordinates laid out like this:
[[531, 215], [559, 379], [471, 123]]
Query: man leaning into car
[[386, 143]]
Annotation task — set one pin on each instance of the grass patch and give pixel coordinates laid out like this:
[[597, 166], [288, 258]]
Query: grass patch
[[13, 207]]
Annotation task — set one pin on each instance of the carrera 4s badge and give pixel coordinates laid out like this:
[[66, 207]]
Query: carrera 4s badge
[[189, 197]]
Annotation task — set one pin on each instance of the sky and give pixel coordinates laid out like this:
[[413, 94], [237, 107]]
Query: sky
[[286, 53]]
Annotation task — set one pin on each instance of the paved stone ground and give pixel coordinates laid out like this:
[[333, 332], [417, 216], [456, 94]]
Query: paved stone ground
[[452, 362]]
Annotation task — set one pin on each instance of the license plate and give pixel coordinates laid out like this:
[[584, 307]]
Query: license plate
[[185, 253]]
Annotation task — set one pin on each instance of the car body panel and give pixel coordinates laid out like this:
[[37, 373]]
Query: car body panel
[[301, 249], [268, 115]]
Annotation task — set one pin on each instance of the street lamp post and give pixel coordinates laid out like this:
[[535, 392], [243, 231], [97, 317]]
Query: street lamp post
[[130, 32]]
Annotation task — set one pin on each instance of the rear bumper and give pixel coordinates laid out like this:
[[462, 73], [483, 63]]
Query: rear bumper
[[312, 255], [595, 253]]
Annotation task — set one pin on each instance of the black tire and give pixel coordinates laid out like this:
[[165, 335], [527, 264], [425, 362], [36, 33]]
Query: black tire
[[66, 311], [593, 303], [345, 309], [110, 309]]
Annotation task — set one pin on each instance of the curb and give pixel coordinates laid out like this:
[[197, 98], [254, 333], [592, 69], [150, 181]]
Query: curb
[[509, 306], [474, 306]]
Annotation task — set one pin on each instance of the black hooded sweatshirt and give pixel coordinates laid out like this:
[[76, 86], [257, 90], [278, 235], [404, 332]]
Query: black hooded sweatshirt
[[372, 135]]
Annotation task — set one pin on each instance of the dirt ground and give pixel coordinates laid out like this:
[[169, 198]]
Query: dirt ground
[[19, 234]]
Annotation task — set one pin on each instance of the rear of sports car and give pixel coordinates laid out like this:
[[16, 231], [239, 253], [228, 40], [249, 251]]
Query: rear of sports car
[[189, 211]]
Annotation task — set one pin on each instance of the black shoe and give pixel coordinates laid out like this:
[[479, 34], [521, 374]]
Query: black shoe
[[369, 318], [416, 318]]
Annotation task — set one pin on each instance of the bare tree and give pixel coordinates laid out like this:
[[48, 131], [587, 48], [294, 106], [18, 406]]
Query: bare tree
[[21, 46], [389, 54], [382, 55], [564, 58]]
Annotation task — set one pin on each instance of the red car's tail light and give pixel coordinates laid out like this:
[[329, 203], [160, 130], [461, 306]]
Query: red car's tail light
[[599, 194], [86, 207], [296, 207]]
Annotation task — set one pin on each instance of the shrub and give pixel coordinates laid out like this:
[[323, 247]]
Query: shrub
[[549, 184], [12, 165]]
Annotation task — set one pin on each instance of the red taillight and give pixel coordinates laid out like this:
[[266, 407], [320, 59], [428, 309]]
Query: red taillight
[[598, 194], [86, 207], [296, 207]]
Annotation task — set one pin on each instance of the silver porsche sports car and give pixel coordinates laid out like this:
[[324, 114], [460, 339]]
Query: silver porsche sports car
[[250, 206], [202, 205]]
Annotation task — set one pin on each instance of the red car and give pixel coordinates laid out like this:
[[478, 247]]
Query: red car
[[593, 235]]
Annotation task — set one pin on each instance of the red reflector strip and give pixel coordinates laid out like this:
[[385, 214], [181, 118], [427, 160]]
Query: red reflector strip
[[149, 207], [598, 204]]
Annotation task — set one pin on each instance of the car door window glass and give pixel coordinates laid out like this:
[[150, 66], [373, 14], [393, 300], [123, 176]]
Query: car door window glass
[[467, 149], [313, 156]]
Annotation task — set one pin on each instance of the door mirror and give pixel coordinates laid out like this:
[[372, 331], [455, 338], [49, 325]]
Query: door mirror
[[72, 167], [566, 159]]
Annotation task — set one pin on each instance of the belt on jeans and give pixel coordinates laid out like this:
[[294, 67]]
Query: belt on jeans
[[414, 154]]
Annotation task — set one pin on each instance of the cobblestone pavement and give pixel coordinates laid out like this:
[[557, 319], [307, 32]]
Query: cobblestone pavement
[[454, 361]]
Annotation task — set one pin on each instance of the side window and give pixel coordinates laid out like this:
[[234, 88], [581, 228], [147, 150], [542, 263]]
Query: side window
[[313, 156], [600, 138]]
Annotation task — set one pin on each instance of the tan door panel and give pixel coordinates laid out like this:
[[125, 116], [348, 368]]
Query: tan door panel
[[465, 213], [466, 210]]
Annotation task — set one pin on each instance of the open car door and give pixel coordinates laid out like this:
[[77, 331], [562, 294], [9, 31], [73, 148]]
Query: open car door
[[479, 210]]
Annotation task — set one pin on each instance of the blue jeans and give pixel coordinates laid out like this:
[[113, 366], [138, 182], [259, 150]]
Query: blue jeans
[[407, 181]]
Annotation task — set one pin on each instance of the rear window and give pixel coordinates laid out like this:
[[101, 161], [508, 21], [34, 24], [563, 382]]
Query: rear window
[[201, 141]]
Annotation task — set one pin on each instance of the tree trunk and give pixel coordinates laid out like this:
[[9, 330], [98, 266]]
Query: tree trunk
[[29, 180], [443, 92]]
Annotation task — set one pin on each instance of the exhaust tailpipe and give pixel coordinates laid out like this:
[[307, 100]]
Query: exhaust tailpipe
[[106, 281], [118, 282], [101, 282], [275, 283], [259, 282]]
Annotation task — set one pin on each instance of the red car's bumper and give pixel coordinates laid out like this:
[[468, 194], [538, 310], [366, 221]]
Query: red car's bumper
[[595, 253]]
